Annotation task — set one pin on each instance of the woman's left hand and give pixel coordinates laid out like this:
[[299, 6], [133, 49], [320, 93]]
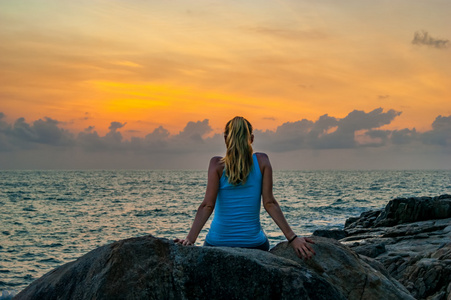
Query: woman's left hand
[[184, 242]]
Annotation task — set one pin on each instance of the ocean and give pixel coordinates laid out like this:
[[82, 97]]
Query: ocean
[[52, 217]]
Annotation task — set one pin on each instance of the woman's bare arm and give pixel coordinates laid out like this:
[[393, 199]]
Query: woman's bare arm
[[299, 244], [207, 206]]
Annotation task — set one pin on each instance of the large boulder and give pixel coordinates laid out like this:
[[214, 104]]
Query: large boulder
[[153, 268], [346, 271]]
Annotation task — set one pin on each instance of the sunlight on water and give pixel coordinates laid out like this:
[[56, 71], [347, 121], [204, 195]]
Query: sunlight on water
[[53, 217]]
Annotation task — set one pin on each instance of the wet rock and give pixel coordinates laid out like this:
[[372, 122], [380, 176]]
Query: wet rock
[[152, 268]]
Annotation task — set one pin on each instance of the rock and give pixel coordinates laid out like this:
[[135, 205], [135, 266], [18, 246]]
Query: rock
[[370, 249], [404, 210], [366, 219], [416, 234], [345, 270], [407, 210], [152, 268], [420, 261], [335, 234]]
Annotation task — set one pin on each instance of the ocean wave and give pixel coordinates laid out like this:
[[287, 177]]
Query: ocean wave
[[8, 294]]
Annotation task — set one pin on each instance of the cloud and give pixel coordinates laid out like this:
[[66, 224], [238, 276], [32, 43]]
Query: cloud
[[22, 135], [423, 38], [90, 140], [403, 136], [194, 131], [288, 34], [115, 126], [359, 130], [440, 133], [3, 124], [325, 133], [269, 118]]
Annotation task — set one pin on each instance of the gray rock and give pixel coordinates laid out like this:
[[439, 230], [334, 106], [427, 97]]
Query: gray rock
[[365, 220], [416, 233], [345, 270], [406, 210], [370, 250], [335, 234], [152, 268]]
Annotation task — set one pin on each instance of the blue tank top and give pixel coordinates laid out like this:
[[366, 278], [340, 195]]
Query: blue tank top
[[236, 220]]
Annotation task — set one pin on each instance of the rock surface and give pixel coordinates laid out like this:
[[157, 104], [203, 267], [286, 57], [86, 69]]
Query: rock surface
[[411, 238], [152, 268]]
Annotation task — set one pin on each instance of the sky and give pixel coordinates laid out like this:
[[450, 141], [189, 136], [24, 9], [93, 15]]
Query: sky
[[150, 84]]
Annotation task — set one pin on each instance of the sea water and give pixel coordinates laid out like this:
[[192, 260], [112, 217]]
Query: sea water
[[49, 218]]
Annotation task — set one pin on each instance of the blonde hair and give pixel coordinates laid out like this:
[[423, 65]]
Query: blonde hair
[[238, 159]]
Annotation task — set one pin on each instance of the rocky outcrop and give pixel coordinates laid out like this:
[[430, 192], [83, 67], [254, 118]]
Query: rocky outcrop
[[354, 278], [152, 268], [411, 238], [405, 210]]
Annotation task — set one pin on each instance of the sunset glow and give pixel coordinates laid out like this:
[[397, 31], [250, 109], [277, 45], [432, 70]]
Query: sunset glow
[[148, 64]]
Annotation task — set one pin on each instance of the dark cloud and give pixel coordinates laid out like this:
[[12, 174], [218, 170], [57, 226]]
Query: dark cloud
[[375, 138], [190, 139], [287, 137], [382, 97], [159, 134], [22, 135], [3, 124], [328, 134], [440, 133], [423, 38], [90, 140], [115, 126], [403, 136], [194, 131], [156, 141]]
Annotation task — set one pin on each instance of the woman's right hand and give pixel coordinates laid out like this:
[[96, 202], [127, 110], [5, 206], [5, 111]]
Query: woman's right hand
[[301, 246], [185, 242]]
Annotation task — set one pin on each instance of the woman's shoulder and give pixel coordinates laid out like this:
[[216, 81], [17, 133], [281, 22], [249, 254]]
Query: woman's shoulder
[[263, 158], [216, 160], [261, 155], [217, 163]]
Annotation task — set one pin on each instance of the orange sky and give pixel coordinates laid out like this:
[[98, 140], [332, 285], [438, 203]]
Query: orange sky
[[152, 63]]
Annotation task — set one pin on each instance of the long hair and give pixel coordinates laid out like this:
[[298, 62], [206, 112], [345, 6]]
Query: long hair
[[238, 159]]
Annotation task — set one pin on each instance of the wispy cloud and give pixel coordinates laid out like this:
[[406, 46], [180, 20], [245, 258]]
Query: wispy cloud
[[287, 33], [423, 38]]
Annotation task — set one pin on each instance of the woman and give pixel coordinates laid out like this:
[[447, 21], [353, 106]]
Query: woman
[[236, 184]]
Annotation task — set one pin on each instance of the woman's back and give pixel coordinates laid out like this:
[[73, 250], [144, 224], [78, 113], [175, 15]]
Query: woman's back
[[236, 220], [236, 185]]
